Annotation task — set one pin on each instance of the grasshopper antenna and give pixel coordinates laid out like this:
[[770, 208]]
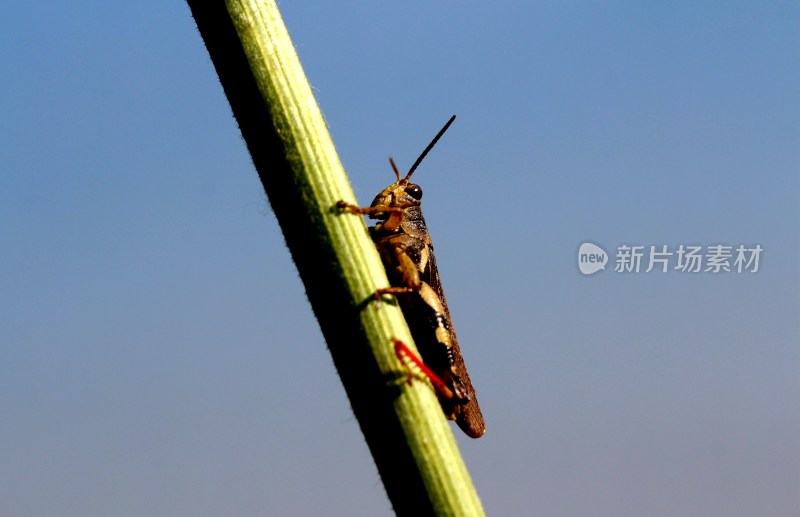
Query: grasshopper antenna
[[427, 149], [397, 172]]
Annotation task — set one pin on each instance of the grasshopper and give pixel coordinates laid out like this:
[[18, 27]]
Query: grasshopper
[[405, 247]]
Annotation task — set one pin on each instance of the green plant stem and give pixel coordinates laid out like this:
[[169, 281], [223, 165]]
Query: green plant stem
[[410, 440]]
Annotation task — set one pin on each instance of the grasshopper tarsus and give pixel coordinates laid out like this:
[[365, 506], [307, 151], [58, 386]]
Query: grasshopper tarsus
[[400, 350], [378, 295], [344, 206]]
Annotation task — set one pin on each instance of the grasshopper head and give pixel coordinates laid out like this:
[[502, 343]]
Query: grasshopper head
[[403, 193], [400, 194]]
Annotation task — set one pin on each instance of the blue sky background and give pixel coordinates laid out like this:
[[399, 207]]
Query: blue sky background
[[158, 355]]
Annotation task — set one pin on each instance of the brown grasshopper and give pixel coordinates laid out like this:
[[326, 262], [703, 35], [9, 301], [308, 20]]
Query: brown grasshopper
[[405, 247]]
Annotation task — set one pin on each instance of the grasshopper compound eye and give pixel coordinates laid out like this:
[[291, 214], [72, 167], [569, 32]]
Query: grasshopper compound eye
[[414, 191]]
